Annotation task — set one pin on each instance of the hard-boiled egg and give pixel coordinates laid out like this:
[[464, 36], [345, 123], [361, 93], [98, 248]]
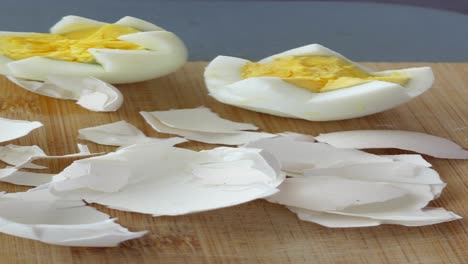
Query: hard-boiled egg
[[129, 50], [313, 83]]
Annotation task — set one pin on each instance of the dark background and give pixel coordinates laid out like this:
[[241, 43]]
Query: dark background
[[420, 30]]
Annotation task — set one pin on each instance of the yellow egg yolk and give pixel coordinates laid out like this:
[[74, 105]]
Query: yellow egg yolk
[[72, 46], [316, 73]]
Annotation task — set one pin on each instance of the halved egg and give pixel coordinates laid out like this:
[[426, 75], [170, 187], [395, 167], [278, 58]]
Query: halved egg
[[313, 83], [129, 50]]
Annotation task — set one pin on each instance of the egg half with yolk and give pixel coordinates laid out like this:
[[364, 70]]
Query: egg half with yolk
[[313, 83], [129, 50]]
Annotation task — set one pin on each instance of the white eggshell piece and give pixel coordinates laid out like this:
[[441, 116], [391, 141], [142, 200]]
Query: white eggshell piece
[[180, 180], [334, 193], [409, 158], [368, 194], [296, 155], [274, 96], [16, 155], [90, 93], [120, 133], [27, 163], [40, 216], [427, 216], [164, 53], [14, 176], [12, 129], [381, 172], [200, 119], [233, 137], [407, 140], [297, 137]]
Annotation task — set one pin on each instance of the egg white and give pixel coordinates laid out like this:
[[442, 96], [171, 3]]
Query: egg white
[[274, 96], [164, 53]]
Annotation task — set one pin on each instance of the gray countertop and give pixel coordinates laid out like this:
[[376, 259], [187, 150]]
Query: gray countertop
[[256, 29]]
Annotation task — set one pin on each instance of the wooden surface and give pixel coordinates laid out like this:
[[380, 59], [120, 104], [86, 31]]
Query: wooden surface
[[256, 232]]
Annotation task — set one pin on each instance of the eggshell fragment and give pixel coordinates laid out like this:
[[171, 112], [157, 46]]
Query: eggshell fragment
[[389, 172], [120, 133], [13, 129], [163, 53], [341, 201], [181, 181], [296, 155], [14, 176], [23, 157], [414, 141], [384, 172], [338, 187], [297, 136], [200, 119], [27, 163], [90, 93], [16, 155], [334, 193], [40, 216], [410, 158], [427, 216], [200, 124], [274, 96]]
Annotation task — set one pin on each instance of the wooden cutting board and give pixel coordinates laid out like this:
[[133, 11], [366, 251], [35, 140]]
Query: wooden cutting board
[[257, 231]]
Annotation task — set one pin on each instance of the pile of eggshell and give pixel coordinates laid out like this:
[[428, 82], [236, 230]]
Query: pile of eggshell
[[324, 179]]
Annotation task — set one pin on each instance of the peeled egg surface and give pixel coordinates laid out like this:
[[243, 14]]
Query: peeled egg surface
[[313, 83], [129, 50]]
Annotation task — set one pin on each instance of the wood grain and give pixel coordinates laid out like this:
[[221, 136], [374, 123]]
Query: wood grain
[[256, 232]]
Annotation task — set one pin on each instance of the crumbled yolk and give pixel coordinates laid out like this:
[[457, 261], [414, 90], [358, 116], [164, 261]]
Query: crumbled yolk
[[72, 46], [316, 73]]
